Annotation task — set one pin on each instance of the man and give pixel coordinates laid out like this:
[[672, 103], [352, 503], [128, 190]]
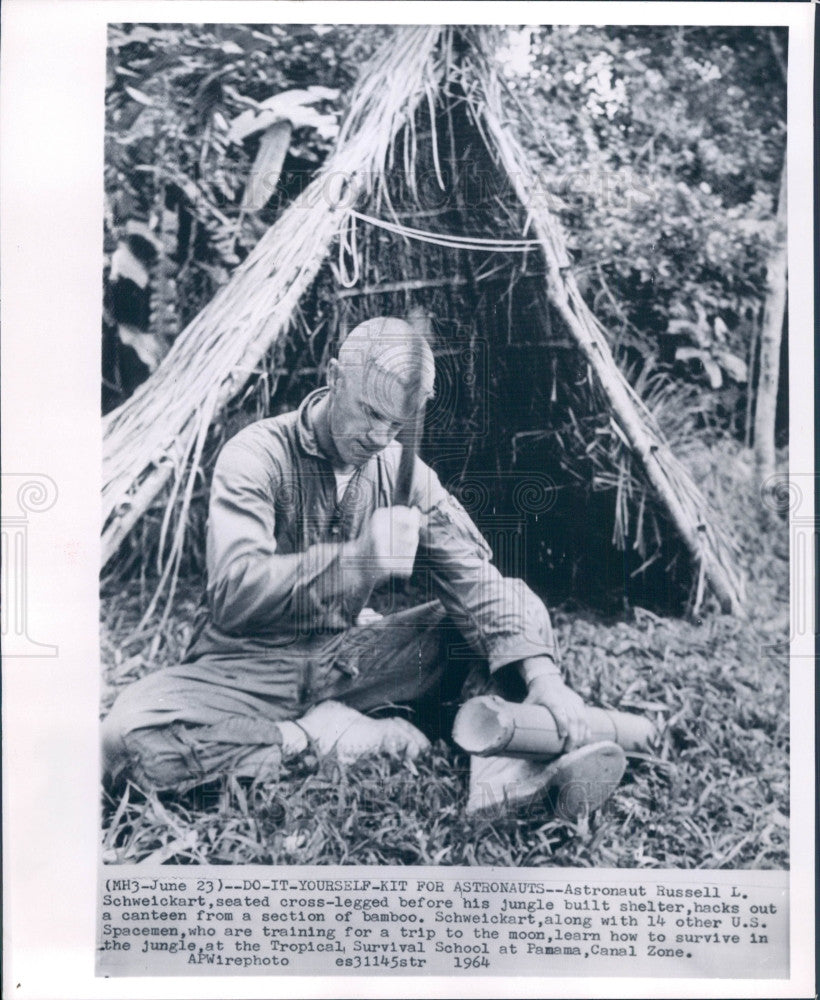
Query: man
[[310, 513]]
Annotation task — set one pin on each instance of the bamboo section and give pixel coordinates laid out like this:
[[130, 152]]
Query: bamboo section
[[488, 725], [711, 550], [147, 440]]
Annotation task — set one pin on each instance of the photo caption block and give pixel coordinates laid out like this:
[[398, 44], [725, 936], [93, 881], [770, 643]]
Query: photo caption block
[[179, 921]]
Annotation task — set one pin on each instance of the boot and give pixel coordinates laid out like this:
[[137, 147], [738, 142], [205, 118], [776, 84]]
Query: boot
[[336, 728], [578, 781]]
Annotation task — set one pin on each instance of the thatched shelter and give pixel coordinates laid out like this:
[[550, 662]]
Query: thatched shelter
[[429, 201]]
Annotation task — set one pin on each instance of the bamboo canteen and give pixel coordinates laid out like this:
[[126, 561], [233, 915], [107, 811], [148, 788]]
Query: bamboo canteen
[[488, 725]]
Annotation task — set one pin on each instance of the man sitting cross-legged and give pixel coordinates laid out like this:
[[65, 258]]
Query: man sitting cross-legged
[[308, 515]]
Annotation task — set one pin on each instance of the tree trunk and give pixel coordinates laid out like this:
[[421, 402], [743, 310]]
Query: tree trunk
[[770, 336]]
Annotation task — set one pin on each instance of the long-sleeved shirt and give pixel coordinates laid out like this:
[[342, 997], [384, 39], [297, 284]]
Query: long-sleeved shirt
[[279, 569]]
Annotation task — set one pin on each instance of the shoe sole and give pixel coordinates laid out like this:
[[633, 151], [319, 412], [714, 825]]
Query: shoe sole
[[576, 784], [583, 779]]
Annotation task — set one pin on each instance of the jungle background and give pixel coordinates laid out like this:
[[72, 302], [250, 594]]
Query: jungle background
[[663, 154]]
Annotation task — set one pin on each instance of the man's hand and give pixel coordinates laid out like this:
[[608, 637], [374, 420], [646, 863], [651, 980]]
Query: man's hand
[[566, 706], [388, 542]]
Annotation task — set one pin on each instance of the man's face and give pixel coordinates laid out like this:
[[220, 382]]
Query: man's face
[[367, 410]]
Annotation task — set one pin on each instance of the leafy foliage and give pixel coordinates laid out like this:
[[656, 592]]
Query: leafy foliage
[[662, 148], [190, 162]]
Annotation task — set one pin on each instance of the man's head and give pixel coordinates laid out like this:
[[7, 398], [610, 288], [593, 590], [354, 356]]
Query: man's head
[[383, 377]]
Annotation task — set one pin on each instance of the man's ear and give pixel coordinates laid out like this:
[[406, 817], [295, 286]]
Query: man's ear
[[333, 373]]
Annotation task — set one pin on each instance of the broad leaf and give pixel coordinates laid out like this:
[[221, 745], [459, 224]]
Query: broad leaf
[[293, 105], [711, 367], [125, 265], [149, 347], [138, 96], [267, 166], [134, 227], [721, 330], [734, 366]]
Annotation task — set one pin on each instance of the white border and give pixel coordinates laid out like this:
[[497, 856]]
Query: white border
[[51, 104]]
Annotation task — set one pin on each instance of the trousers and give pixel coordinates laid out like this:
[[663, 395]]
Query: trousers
[[188, 724]]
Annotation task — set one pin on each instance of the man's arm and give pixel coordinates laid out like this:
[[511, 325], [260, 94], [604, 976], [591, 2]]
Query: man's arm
[[500, 617], [253, 586]]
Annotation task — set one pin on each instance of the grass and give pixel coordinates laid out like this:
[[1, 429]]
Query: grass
[[714, 793]]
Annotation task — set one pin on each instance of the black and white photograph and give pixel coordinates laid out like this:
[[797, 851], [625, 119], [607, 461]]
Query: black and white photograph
[[408, 499], [445, 438]]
